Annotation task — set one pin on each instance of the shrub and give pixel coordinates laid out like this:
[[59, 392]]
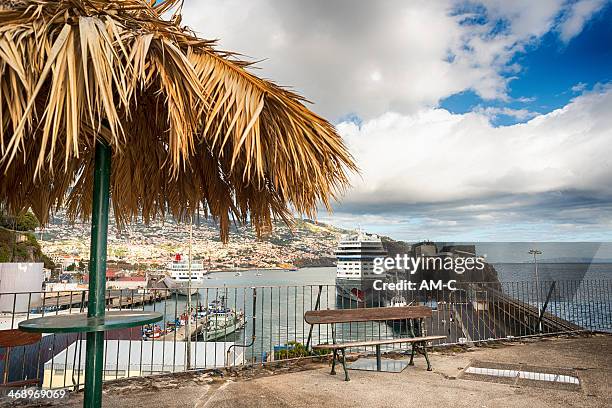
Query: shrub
[[22, 222], [296, 349]]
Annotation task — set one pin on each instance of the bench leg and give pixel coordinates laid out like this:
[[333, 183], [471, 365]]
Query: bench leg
[[378, 358], [333, 370], [426, 356], [346, 376], [412, 355]]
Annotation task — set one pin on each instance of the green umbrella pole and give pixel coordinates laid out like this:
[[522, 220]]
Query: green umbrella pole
[[94, 362]]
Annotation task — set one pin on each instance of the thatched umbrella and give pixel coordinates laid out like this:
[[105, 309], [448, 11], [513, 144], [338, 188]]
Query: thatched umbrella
[[186, 126]]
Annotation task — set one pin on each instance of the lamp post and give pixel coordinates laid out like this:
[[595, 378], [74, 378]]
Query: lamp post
[[535, 253]]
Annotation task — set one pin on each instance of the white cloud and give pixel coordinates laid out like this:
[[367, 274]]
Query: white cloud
[[525, 99], [493, 112], [428, 173], [577, 16], [371, 57], [434, 156]]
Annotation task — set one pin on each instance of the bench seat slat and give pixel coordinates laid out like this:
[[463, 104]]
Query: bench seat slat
[[366, 314], [20, 383], [376, 342], [16, 337]]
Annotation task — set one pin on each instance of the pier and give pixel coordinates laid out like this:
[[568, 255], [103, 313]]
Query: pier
[[523, 316], [114, 299], [483, 312], [180, 333]]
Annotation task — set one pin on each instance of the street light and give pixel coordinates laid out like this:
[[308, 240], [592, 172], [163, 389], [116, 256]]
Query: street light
[[535, 253]]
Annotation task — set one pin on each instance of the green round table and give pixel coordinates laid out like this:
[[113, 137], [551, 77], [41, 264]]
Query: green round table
[[80, 323]]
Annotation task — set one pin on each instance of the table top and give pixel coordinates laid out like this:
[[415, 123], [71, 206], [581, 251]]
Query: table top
[[80, 323]]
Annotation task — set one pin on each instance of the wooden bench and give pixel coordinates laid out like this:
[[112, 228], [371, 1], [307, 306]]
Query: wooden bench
[[413, 315]]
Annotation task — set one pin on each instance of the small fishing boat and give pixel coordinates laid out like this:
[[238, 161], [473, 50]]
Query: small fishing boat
[[287, 266], [44, 309], [152, 332], [220, 320], [170, 327]]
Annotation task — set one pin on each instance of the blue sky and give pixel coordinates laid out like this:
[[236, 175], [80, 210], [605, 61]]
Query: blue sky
[[470, 120], [550, 68]]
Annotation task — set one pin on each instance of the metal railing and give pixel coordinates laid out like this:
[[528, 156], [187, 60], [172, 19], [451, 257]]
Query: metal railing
[[257, 325]]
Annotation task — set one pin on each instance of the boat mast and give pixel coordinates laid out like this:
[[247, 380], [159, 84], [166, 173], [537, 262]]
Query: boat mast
[[188, 326]]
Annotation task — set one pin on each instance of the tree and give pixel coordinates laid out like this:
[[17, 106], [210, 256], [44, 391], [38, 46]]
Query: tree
[[48, 263], [27, 222], [22, 222]]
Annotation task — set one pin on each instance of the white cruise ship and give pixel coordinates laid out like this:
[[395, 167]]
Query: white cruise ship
[[178, 274], [355, 269]]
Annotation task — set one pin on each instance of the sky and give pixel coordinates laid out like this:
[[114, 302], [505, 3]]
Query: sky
[[470, 121]]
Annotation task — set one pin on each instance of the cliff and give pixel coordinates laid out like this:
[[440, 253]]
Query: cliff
[[17, 246], [488, 274]]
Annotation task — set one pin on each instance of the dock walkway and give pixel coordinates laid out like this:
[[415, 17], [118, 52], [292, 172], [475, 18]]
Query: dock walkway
[[116, 299], [180, 333]]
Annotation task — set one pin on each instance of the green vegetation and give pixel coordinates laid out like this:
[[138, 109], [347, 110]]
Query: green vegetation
[[296, 349], [168, 248], [16, 246], [119, 251], [21, 222]]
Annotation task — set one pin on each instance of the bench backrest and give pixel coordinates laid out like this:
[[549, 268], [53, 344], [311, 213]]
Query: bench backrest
[[366, 314]]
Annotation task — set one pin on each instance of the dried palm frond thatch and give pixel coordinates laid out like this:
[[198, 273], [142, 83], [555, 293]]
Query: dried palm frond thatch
[[188, 125]]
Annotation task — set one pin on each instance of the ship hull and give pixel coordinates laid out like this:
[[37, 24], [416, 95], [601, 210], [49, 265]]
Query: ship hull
[[352, 293], [181, 288], [222, 327], [184, 291], [224, 332]]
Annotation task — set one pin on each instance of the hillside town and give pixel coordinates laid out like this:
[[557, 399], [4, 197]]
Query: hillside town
[[140, 247]]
